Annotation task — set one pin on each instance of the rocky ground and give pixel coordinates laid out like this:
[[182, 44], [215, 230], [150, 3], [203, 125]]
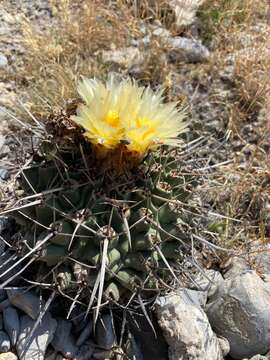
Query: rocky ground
[[215, 60]]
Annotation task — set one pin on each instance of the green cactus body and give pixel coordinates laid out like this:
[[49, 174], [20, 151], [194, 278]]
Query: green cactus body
[[82, 212]]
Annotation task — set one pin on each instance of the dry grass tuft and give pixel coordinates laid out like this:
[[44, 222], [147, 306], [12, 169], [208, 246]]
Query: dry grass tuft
[[69, 48], [220, 18], [238, 33], [152, 10]]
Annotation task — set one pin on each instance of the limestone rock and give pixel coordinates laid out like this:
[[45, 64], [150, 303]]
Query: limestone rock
[[211, 282], [126, 57], [199, 298], [224, 346], [261, 259], [187, 50], [34, 347], [242, 315], [186, 329], [180, 48], [4, 174], [3, 60], [4, 342], [234, 267]]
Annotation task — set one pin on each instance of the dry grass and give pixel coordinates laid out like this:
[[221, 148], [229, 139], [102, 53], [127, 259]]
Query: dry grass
[[239, 33], [233, 29], [69, 48], [221, 18]]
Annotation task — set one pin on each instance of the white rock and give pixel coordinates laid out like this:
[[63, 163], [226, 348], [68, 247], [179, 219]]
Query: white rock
[[242, 315], [180, 48], [234, 267], [4, 342], [261, 259], [34, 348], [3, 60], [199, 298], [161, 32], [125, 57], [185, 11], [4, 174], [224, 346], [2, 142], [186, 329], [187, 50], [210, 282]]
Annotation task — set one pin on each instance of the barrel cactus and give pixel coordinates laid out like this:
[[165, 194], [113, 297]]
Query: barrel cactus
[[102, 203]]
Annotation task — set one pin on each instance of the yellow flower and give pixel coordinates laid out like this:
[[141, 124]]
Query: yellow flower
[[121, 112]]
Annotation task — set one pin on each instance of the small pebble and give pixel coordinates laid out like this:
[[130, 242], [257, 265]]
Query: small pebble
[[4, 342], [35, 347], [3, 60], [11, 324], [224, 345], [4, 174]]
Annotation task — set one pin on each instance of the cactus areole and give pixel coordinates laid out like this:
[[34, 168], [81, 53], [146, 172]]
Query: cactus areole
[[103, 195]]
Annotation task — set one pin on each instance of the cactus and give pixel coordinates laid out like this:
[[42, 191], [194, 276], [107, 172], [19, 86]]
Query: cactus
[[110, 209], [136, 218]]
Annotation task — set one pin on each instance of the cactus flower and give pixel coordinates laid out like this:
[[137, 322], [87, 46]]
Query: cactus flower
[[121, 112]]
